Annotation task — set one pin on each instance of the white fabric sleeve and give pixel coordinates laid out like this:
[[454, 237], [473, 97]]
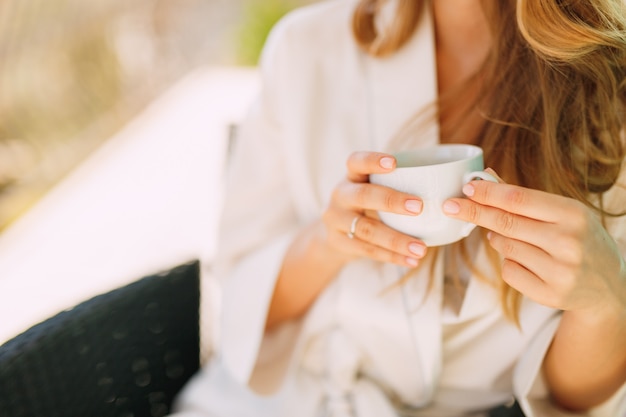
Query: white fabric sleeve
[[532, 393], [528, 384], [530, 388], [258, 220], [246, 297]]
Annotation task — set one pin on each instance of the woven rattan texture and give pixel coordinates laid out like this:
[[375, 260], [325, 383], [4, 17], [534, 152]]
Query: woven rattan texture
[[121, 354]]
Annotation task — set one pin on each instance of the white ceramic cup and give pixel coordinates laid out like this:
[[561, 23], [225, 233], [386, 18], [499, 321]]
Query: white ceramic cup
[[434, 174]]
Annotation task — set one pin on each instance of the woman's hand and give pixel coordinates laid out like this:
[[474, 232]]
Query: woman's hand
[[555, 250], [349, 229], [352, 227], [557, 253]]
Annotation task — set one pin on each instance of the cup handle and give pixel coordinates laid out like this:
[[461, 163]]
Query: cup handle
[[482, 175], [468, 227]]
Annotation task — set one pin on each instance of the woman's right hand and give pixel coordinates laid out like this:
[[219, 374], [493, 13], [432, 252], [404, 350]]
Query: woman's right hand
[[318, 253], [352, 225]]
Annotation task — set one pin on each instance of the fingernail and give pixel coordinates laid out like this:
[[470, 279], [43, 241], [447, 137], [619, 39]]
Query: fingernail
[[412, 262], [468, 190], [386, 162], [489, 235], [417, 249], [451, 207], [414, 206]]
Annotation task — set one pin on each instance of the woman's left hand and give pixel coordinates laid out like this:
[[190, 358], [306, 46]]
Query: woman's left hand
[[555, 250]]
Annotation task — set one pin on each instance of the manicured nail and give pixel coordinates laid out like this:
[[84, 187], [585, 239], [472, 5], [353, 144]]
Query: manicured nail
[[414, 206], [451, 207], [386, 162], [489, 235], [417, 249], [412, 262], [468, 190]]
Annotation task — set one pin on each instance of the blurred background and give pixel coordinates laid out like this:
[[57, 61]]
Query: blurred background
[[114, 124], [73, 72]]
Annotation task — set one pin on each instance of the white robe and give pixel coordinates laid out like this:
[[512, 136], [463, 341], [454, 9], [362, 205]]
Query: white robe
[[383, 353]]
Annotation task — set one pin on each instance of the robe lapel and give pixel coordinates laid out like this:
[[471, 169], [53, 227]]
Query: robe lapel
[[425, 300], [397, 328], [400, 86], [481, 298]]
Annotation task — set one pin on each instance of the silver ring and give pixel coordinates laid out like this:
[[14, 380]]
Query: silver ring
[[353, 227]]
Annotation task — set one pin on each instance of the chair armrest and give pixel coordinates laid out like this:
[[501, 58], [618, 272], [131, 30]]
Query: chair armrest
[[124, 353]]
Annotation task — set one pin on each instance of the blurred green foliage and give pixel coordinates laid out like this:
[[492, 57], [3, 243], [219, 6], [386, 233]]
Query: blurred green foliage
[[50, 97], [258, 19], [73, 72], [56, 94], [63, 90]]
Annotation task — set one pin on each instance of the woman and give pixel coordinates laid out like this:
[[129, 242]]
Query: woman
[[327, 311]]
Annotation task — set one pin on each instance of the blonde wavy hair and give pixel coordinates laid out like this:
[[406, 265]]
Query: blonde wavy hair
[[554, 98]]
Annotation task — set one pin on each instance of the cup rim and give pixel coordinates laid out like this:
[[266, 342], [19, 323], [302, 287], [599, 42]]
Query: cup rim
[[475, 151]]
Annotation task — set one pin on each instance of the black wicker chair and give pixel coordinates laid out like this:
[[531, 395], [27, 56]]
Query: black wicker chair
[[125, 353]]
